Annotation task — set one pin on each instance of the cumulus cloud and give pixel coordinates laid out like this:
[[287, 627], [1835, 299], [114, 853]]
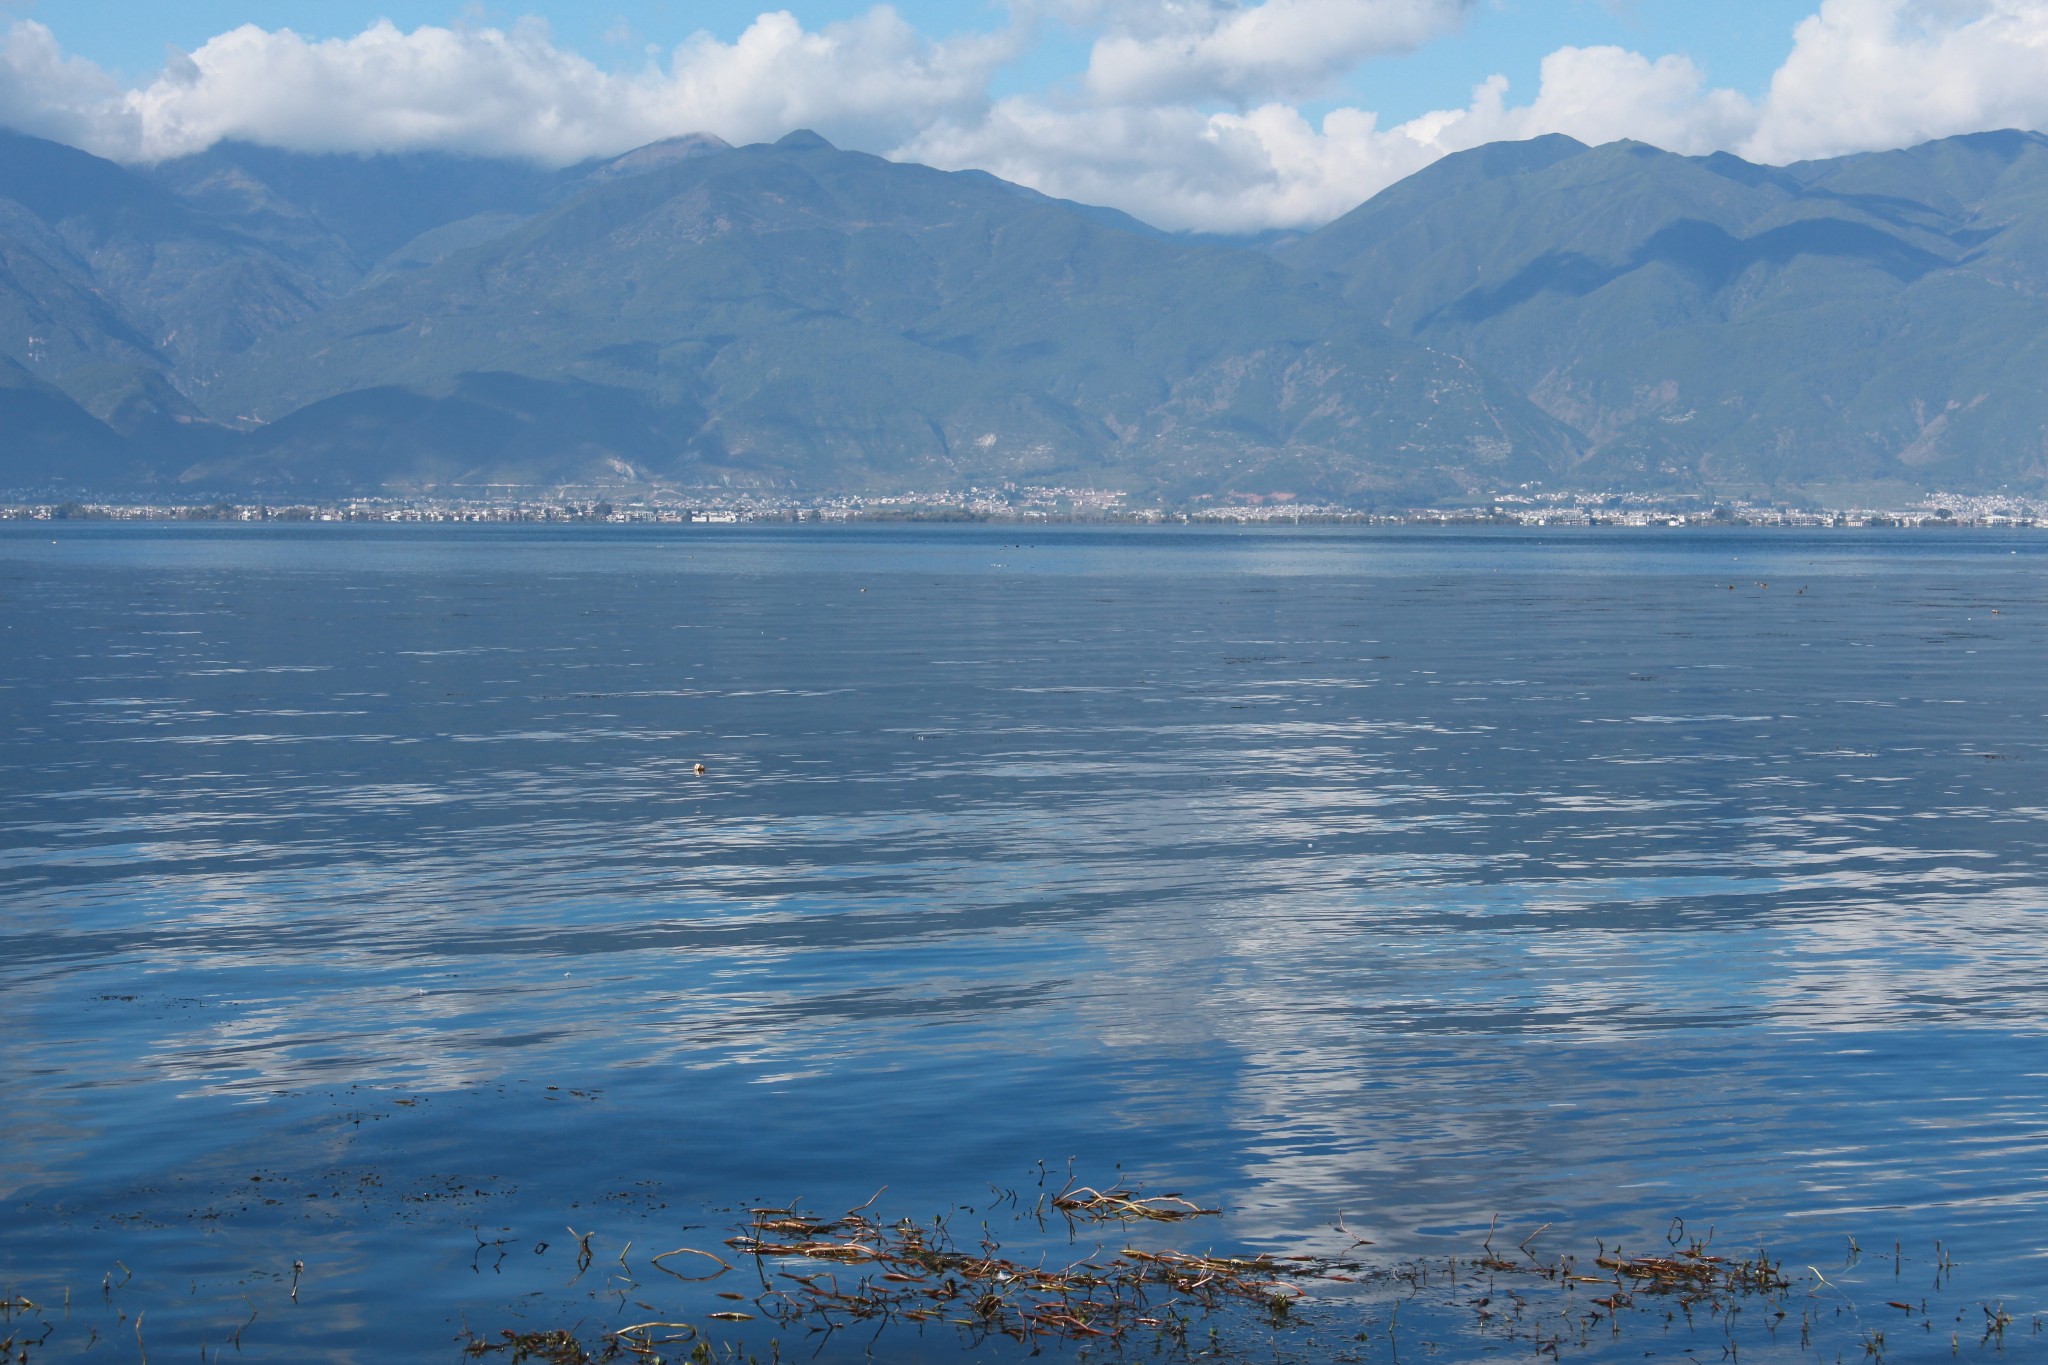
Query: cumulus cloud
[[873, 80], [1866, 74], [1184, 115], [1178, 167], [44, 92], [1270, 167], [1240, 52], [1861, 75], [1601, 94]]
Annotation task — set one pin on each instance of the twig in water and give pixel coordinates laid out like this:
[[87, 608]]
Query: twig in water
[[723, 1264], [583, 1256]]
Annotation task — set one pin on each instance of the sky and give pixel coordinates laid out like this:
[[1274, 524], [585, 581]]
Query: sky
[[1217, 115]]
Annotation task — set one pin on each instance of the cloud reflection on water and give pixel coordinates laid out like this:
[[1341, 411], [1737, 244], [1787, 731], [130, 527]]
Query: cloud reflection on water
[[1512, 894]]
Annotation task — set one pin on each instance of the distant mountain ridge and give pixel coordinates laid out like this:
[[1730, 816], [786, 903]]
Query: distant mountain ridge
[[798, 317], [788, 316], [1874, 319]]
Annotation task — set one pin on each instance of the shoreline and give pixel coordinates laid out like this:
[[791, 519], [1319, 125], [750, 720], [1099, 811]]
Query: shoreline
[[1998, 513]]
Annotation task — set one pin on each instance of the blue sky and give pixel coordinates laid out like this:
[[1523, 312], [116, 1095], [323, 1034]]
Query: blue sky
[[1224, 115], [1738, 43]]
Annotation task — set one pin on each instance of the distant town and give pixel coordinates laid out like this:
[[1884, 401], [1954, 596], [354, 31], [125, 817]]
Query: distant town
[[1032, 504]]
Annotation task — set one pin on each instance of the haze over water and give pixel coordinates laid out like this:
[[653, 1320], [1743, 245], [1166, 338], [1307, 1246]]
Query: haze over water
[[1583, 879]]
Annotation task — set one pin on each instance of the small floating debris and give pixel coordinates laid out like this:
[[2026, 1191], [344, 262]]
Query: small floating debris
[[817, 1274], [1694, 1275], [1126, 1205], [555, 1348]]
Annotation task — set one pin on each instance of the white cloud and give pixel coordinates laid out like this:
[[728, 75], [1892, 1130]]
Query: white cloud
[[1177, 167], [1862, 75], [43, 92], [1602, 94], [1182, 116], [1237, 52], [1270, 167], [872, 80], [1869, 74]]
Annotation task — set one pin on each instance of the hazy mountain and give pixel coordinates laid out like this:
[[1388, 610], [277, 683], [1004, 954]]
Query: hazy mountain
[[47, 439], [1873, 319], [107, 271], [353, 210], [797, 316], [180, 269]]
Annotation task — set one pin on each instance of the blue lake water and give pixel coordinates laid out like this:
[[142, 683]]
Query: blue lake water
[[361, 907]]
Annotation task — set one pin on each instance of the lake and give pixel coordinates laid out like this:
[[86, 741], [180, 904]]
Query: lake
[[370, 935]]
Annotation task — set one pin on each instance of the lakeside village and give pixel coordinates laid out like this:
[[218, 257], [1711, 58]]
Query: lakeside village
[[1012, 503]]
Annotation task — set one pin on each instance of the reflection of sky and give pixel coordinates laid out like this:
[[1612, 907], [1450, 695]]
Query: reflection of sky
[[1418, 877]]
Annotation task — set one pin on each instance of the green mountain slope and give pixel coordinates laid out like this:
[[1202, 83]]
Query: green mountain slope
[[48, 441], [795, 315], [1869, 321], [181, 268], [129, 274]]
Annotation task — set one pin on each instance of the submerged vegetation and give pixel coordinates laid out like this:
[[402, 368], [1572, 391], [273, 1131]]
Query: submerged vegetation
[[804, 1278], [1114, 1273]]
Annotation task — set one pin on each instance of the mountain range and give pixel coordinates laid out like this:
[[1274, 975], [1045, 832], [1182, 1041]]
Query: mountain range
[[797, 317]]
